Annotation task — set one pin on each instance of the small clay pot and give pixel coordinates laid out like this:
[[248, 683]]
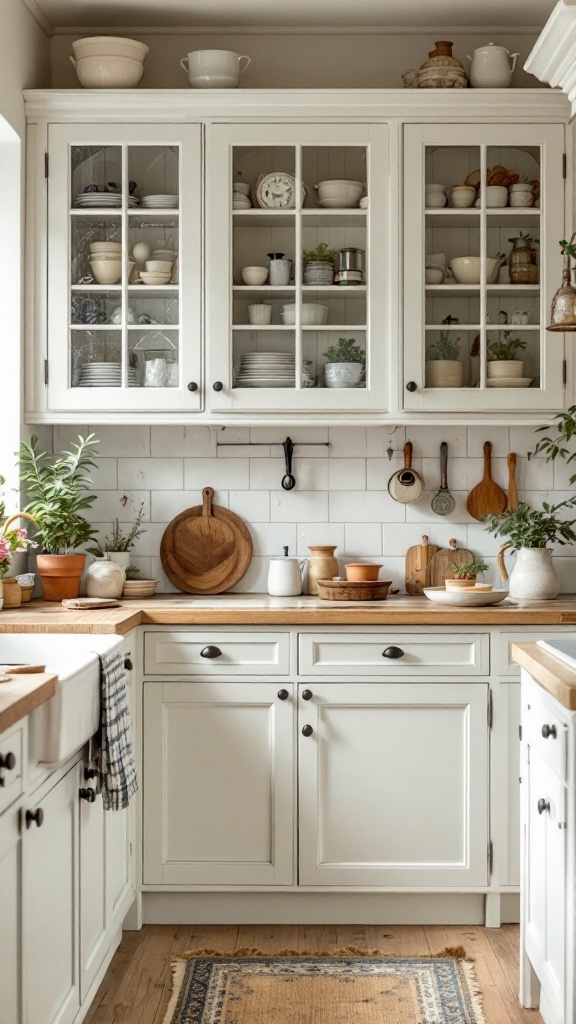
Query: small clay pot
[[362, 572]]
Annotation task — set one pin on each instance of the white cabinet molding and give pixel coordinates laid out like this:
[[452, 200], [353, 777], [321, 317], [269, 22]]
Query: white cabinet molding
[[553, 58]]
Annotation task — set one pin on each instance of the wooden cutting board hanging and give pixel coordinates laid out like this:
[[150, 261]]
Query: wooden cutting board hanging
[[486, 498], [441, 564], [206, 549], [418, 559]]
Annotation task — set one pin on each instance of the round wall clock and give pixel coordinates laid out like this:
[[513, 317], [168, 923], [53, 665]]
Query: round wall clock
[[277, 190]]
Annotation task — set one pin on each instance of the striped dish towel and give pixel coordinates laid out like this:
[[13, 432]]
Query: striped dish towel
[[115, 757]]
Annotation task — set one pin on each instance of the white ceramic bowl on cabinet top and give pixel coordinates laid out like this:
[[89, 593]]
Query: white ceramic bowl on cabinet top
[[108, 72]]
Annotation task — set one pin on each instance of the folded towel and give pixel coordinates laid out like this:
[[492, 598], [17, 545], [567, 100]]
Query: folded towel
[[114, 756]]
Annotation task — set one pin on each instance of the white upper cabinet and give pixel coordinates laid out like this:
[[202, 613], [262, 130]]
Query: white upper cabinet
[[271, 319], [480, 274], [124, 199]]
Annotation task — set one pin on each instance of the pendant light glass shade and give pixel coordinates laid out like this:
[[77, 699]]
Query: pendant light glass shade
[[563, 309]]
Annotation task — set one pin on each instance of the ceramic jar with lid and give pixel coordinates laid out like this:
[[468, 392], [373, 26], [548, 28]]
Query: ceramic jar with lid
[[491, 67], [322, 565]]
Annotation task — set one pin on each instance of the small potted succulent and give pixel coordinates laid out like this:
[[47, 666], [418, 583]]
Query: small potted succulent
[[443, 366], [465, 575], [318, 264], [108, 573], [503, 357], [345, 364], [59, 489]]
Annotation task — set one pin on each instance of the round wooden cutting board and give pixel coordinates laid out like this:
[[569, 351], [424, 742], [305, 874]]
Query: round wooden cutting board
[[206, 549]]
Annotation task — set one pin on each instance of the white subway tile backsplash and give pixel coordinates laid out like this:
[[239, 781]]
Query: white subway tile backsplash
[[427, 440], [499, 437], [346, 443], [319, 533], [129, 441], [149, 474], [311, 474], [363, 539], [271, 538], [253, 506], [165, 505], [224, 473], [105, 475], [348, 507], [347, 474], [186, 442], [121, 505], [299, 506]]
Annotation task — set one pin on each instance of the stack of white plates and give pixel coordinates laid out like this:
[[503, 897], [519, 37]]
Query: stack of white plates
[[159, 203], [105, 375], [97, 200], [266, 370]]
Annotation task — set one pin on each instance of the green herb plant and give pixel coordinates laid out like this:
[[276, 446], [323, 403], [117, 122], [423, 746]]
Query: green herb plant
[[117, 540], [555, 447], [321, 254], [346, 351], [469, 570], [505, 348], [133, 573], [526, 527], [59, 490], [446, 348]]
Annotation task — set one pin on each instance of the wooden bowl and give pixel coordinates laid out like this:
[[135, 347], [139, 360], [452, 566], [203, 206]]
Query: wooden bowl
[[347, 590], [362, 572]]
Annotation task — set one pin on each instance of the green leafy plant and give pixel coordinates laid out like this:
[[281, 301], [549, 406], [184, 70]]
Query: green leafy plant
[[59, 488], [119, 541], [320, 254], [526, 527], [505, 348], [346, 351], [446, 348], [469, 570], [554, 447], [132, 573], [568, 248]]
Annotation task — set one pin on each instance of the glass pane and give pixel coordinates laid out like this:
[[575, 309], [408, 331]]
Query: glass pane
[[153, 173], [513, 358], [96, 250], [97, 169], [452, 358], [153, 358], [338, 175], [153, 243], [263, 250], [264, 177], [96, 358], [264, 359], [446, 307], [447, 167], [96, 307], [513, 177], [333, 360]]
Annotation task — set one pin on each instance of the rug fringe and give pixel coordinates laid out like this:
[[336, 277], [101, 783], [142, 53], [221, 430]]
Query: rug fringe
[[178, 970], [449, 952], [475, 993]]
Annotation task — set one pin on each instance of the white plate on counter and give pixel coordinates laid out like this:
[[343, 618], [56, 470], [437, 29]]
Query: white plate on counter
[[465, 598]]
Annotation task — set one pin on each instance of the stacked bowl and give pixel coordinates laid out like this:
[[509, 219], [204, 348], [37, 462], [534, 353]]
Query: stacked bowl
[[108, 62], [106, 262], [158, 271]]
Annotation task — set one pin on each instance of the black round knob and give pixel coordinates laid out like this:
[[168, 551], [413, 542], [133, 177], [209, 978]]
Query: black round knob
[[543, 805], [89, 773], [283, 694], [210, 652], [392, 652], [307, 694], [128, 664], [8, 761], [218, 385], [411, 386], [37, 816], [88, 794], [549, 731], [307, 730], [192, 386]]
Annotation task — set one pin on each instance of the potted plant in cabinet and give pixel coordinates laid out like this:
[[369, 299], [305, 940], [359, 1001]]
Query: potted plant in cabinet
[[319, 264], [502, 357], [59, 490], [443, 366], [345, 364]]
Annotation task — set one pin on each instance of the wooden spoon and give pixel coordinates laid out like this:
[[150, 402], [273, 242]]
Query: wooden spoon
[[512, 492], [486, 498]]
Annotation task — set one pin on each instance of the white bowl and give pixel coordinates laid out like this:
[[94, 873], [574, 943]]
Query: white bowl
[[341, 190], [520, 186], [155, 278], [433, 186], [434, 275], [254, 275], [95, 246], [241, 203], [435, 200], [466, 269], [463, 196], [163, 254], [108, 72], [497, 196], [310, 313], [241, 186], [109, 46], [159, 267], [521, 199], [106, 271]]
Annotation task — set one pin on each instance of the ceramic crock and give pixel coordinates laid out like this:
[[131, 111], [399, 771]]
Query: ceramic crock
[[285, 577], [533, 577], [491, 67], [105, 578], [322, 565]]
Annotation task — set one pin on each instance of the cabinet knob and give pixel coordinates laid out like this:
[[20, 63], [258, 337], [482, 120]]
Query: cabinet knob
[[307, 730], [89, 773], [392, 652], [37, 816], [411, 386], [549, 731], [307, 694], [192, 386], [128, 665], [88, 794], [283, 694], [8, 761], [210, 652], [543, 805], [218, 385]]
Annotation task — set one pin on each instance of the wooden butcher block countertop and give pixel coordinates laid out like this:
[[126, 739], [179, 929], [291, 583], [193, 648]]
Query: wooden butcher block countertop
[[22, 694], [262, 610], [552, 675]]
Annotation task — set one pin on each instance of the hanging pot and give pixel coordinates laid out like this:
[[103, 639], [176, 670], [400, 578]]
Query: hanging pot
[[406, 485], [533, 577]]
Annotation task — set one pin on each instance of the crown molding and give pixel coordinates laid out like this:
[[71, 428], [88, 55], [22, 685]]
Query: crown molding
[[553, 58], [291, 30], [39, 16]]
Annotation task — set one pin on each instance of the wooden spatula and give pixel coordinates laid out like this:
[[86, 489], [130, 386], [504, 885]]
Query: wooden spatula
[[512, 492], [486, 498], [418, 559]]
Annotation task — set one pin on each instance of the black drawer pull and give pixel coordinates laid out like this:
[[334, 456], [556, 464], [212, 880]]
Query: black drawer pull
[[307, 694], [543, 805], [88, 794], [283, 694], [128, 664], [392, 652], [37, 816], [549, 731], [210, 652], [307, 730]]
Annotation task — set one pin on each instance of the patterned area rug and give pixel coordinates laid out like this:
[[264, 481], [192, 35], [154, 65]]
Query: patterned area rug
[[344, 986]]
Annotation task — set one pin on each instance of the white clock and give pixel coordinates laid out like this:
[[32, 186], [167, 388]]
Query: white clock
[[277, 190]]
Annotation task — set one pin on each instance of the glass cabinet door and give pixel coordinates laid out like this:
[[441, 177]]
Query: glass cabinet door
[[297, 296], [484, 211], [124, 236]]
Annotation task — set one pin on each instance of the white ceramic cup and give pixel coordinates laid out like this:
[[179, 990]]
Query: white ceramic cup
[[214, 69]]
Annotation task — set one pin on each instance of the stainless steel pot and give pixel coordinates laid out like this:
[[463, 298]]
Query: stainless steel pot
[[351, 259]]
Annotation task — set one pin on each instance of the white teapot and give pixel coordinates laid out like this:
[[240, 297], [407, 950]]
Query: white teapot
[[491, 67]]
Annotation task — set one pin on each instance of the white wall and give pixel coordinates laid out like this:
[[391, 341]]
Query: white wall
[[304, 60], [24, 60]]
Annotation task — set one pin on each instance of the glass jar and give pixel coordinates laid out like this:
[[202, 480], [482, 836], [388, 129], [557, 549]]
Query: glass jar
[[563, 309], [523, 261]]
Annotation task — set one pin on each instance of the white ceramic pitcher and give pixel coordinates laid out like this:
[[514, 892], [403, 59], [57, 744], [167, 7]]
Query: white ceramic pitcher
[[533, 577], [491, 67], [285, 576]]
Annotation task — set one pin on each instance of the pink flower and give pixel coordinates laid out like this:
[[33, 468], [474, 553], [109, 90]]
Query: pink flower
[[22, 533]]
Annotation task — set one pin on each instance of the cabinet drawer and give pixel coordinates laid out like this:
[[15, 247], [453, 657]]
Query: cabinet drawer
[[543, 728], [216, 654], [502, 651], [11, 752], [409, 654]]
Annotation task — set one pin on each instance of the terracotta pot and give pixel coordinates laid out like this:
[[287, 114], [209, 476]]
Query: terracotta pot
[[362, 572], [60, 575], [12, 593]]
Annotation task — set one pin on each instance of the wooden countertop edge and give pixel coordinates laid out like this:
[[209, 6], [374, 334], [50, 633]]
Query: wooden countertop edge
[[33, 690], [558, 679]]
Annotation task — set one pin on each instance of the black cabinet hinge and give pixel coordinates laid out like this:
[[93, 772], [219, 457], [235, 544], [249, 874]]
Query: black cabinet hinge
[[46, 164], [490, 857], [564, 165], [490, 710], [519, 732], [564, 373], [46, 371]]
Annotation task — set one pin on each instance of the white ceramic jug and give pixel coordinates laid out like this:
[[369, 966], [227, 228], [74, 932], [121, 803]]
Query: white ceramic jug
[[285, 576], [533, 577], [490, 67]]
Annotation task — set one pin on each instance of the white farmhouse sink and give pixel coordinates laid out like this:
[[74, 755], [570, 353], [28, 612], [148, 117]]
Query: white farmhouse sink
[[65, 722], [564, 650]]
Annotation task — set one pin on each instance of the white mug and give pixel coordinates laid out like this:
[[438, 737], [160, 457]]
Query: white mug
[[214, 69]]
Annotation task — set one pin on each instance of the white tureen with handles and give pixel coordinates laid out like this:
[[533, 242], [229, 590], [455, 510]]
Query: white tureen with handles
[[491, 67]]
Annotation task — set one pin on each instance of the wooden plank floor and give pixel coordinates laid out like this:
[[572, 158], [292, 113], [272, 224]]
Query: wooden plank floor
[[137, 985]]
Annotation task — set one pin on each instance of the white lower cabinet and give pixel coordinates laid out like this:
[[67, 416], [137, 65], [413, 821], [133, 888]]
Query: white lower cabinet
[[392, 784], [11, 916], [218, 783]]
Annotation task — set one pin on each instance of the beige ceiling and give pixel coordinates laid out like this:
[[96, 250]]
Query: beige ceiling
[[448, 15]]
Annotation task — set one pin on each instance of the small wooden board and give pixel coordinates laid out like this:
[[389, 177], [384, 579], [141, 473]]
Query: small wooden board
[[418, 559], [353, 590], [443, 560], [206, 549]]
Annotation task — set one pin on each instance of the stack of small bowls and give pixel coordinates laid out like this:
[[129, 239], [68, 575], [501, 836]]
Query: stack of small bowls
[[435, 195], [241, 196], [158, 272], [106, 262], [521, 194]]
